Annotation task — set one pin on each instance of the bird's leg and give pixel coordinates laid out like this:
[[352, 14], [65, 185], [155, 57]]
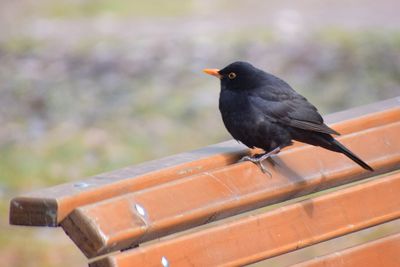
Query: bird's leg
[[258, 159], [262, 157]]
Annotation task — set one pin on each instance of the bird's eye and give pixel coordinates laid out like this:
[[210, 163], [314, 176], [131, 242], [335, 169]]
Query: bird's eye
[[232, 75]]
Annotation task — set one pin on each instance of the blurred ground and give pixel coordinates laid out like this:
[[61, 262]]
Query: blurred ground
[[90, 86]]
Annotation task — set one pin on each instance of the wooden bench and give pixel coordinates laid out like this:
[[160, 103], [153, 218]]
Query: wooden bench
[[159, 213]]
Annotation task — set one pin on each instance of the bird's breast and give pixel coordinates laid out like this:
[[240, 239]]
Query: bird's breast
[[248, 125], [239, 117]]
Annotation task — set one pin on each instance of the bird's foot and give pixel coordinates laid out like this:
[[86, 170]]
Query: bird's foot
[[258, 159]]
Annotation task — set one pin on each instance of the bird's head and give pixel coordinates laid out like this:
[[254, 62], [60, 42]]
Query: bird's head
[[238, 75]]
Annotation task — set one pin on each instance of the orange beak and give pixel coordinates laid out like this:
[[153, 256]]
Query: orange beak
[[213, 72]]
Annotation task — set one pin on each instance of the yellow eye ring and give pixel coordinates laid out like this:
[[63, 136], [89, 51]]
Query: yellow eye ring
[[232, 75]]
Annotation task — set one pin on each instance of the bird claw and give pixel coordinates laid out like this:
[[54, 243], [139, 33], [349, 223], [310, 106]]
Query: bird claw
[[259, 159], [264, 170], [248, 158]]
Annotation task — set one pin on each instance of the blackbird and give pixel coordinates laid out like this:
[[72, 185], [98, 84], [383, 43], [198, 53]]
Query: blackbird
[[262, 111]]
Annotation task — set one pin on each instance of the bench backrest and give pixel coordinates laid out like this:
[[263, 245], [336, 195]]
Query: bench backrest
[[172, 202]]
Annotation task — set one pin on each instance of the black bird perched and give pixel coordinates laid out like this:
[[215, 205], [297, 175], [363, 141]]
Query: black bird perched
[[261, 110]]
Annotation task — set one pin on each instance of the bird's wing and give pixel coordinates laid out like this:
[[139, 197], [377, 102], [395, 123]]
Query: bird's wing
[[289, 108]]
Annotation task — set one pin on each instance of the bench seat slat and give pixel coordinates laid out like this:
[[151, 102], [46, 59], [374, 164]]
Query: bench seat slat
[[382, 252]]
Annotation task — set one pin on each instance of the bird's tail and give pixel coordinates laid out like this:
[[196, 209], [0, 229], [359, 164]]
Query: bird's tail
[[342, 149]]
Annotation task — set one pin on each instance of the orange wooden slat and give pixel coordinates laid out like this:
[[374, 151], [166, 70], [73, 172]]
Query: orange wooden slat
[[256, 237], [383, 252], [118, 223], [51, 205], [347, 121]]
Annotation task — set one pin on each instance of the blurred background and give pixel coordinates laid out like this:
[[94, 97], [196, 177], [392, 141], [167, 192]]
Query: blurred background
[[91, 86]]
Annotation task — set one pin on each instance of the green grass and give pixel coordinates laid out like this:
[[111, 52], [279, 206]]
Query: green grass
[[124, 8], [19, 44]]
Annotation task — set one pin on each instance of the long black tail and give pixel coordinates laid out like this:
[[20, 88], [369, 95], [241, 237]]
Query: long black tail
[[327, 141], [342, 149]]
